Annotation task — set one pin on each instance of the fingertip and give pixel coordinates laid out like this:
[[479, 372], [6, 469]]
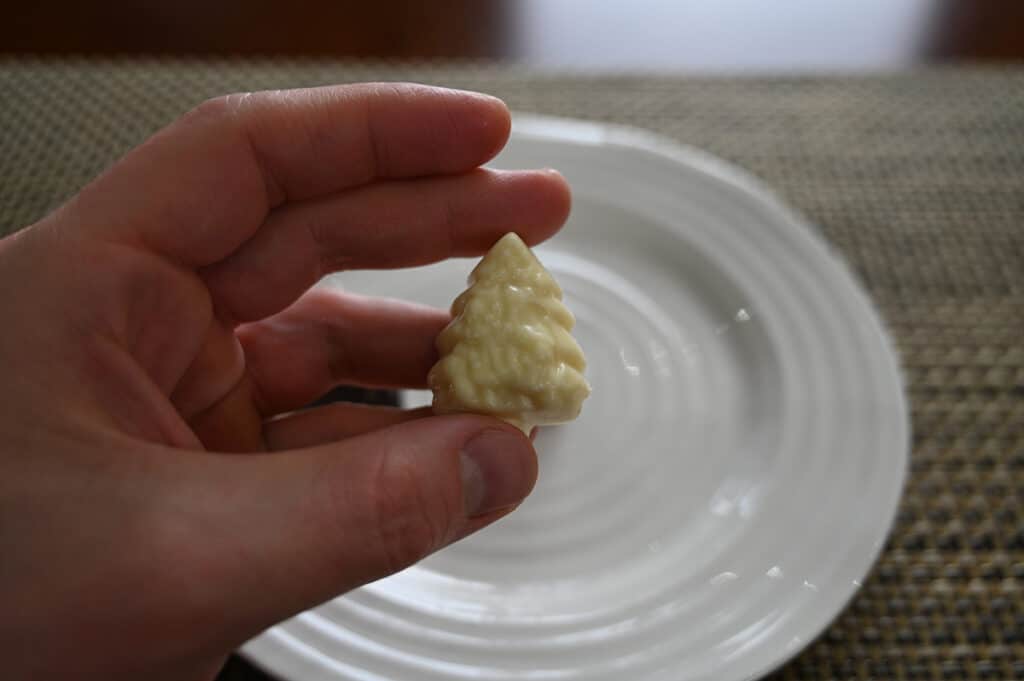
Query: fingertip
[[499, 470], [494, 122], [496, 111], [479, 121], [497, 462], [550, 202], [558, 195], [432, 130]]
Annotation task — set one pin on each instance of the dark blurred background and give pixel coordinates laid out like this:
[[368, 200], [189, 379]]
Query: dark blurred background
[[694, 35]]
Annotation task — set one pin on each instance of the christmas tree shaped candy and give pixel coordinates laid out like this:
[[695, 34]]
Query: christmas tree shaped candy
[[507, 351]]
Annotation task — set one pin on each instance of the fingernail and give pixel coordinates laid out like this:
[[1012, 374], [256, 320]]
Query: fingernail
[[498, 471]]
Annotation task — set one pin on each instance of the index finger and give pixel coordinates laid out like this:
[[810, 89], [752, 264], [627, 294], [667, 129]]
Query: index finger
[[202, 186]]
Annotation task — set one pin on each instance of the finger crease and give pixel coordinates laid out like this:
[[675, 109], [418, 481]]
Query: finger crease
[[273, 189], [339, 365], [379, 157], [259, 398], [327, 261], [449, 219]]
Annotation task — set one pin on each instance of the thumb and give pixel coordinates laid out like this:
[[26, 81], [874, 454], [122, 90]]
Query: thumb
[[275, 534]]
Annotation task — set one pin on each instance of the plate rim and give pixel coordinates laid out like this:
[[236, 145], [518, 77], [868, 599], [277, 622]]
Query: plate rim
[[270, 650]]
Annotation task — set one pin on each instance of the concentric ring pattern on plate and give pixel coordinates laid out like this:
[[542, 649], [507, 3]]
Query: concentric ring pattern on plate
[[730, 481]]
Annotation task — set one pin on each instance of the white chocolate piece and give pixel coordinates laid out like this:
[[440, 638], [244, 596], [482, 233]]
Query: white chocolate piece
[[507, 351]]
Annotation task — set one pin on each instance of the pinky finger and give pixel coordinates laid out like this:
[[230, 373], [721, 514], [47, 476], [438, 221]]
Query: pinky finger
[[333, 422]]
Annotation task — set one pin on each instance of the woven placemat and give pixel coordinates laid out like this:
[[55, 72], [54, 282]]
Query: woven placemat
[[918, 178]]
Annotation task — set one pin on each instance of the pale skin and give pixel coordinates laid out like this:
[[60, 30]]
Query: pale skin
[[161, 500]]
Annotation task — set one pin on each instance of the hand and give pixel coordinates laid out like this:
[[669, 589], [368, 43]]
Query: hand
[[159, 501]]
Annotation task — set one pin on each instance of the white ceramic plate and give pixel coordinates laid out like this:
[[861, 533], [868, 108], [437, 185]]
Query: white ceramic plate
[[728, 485]]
